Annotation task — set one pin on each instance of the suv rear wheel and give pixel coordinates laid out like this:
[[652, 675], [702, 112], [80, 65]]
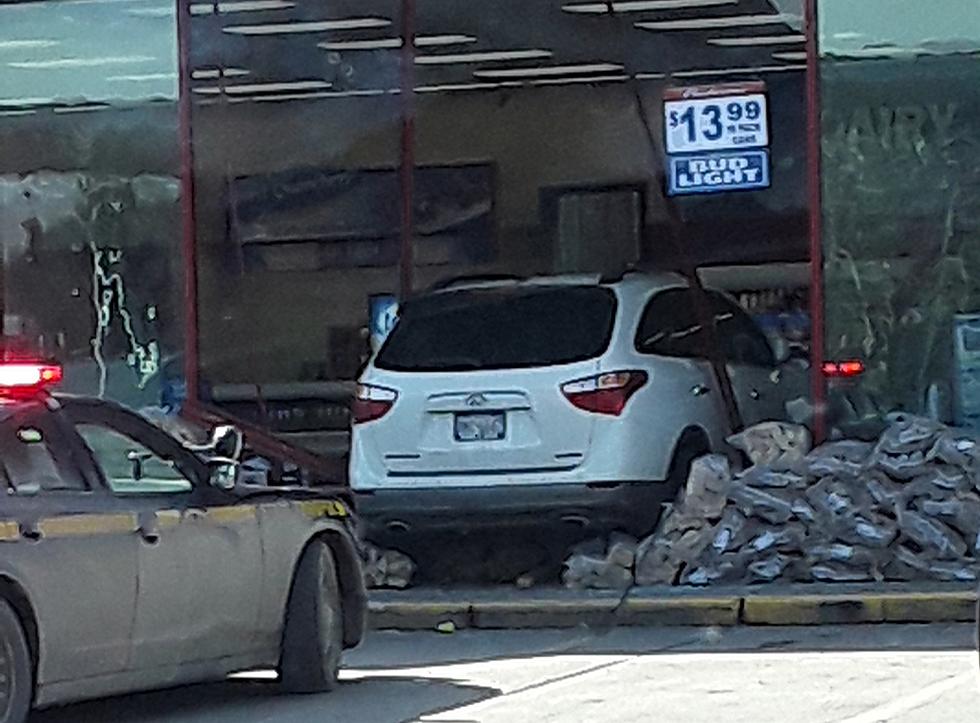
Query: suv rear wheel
[[692, 445]]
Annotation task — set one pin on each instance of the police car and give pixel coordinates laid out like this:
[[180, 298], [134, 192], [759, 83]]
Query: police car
[[129, 562]]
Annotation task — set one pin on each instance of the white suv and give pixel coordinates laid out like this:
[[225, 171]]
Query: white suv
[[557, 397]]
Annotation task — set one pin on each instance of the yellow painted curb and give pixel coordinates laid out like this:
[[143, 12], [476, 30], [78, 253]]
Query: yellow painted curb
[[523, 612], [699, 611], [870, 607], [650, 608], [937, 607], [607, 604], [419, 608], [417, 615]]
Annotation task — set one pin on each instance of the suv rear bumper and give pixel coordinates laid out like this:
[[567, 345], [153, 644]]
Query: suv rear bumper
[[392, 514]]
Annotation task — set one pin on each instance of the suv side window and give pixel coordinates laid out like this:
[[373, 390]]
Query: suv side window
[[742, 342], [129, 466], [34, 457], [669, 326]]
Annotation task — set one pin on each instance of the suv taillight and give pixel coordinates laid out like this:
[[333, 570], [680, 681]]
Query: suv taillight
[[604, 393], [843, 369], [371, 403]]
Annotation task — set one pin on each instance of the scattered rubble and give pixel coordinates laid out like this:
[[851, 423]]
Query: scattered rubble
[[776, 445], [596, 565], [525, 581], [903, 508], [387, 568]]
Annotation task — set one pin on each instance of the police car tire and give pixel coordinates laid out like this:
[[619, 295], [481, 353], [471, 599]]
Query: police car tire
[[313, 638], [19, 672]]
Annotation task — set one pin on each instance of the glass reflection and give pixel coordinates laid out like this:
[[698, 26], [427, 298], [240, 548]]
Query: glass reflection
[[89, 191], [901, 167]]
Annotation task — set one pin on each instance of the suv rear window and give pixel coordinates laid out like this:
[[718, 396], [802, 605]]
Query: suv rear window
[[500, 328]]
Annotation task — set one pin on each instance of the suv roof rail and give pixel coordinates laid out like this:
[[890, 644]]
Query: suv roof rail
[[475, 279], [629, 270], [612, 278]]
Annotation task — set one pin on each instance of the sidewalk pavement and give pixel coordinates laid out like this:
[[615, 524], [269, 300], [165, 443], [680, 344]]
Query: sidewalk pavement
[[504, 607]]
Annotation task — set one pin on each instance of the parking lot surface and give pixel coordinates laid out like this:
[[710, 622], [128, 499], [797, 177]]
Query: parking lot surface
[[854, 674]]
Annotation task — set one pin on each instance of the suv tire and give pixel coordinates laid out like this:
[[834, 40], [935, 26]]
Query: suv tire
[[691, 446]]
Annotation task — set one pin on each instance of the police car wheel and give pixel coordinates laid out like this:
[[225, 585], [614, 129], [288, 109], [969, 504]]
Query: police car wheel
[[313, 635], [16, 678]]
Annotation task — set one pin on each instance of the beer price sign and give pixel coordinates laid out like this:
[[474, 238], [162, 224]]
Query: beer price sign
[[717, 138]]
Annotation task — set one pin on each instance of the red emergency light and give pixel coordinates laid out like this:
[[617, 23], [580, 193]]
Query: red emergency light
[[26, 376], [843, 369]]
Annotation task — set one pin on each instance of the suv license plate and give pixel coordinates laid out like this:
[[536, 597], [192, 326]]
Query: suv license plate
[[479, 427]]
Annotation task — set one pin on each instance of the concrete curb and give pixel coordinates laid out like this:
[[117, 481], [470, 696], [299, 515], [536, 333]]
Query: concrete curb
[[649, 606], [885, 607], [507, 608]]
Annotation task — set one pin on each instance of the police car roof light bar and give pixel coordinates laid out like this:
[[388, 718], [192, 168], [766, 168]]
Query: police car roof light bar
[[28, 375]]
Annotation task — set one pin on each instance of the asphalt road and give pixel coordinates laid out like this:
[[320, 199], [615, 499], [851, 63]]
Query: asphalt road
[[848, 674]]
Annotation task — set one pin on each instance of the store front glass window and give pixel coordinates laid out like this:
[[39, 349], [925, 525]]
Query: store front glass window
[[548, 123], [340, 167], [297, 188], [90, 193], [901, 209]]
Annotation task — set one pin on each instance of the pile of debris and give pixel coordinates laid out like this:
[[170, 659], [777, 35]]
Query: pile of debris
[[387, 568], [903, 508], [595, 564]]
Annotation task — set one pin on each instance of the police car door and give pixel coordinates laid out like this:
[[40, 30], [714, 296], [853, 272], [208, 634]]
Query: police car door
[[76, 560], [200, 561]]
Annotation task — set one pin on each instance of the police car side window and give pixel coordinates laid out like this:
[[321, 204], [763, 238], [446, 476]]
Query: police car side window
[[32, 458], [128, 466]]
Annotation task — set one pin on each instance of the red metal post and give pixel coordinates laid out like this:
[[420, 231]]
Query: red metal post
[[407, 168], [258, 439], [189, 245], [330, 470], [818, 388]]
